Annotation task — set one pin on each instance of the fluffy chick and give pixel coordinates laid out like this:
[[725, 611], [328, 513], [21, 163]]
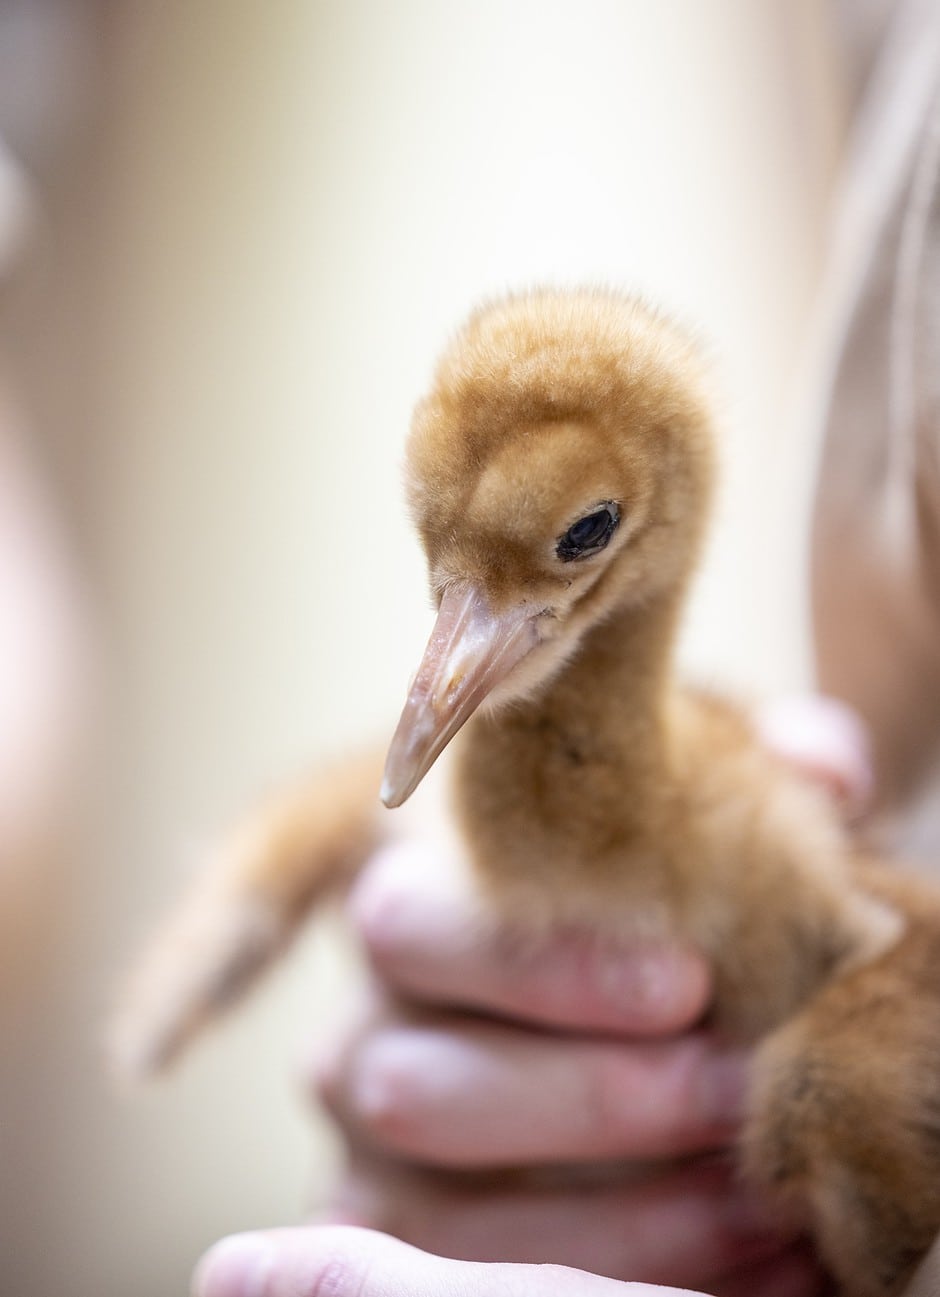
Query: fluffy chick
[[559, 473]]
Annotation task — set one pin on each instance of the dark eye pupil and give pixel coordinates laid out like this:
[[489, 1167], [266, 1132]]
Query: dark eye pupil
[[588, 534], [588, 531]]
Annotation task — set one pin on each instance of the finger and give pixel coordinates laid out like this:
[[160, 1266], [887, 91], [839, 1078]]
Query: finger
[[336, 1261], [431, 937], [461, 1094], [687, 1226], [826, 741]]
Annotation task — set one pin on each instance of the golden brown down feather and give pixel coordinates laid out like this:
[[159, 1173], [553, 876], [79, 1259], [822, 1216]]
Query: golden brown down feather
[[559, 473]]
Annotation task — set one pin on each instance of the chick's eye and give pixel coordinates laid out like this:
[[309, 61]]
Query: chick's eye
[[589, 534]]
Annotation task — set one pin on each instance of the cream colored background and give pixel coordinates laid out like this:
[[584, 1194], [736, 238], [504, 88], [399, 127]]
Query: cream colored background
[[297, 201]]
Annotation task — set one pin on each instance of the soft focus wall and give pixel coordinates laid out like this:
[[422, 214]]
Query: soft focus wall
[[298, 200]]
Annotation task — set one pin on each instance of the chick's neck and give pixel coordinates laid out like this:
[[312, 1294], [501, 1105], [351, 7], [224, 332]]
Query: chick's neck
[[585, 758], [610, 694]]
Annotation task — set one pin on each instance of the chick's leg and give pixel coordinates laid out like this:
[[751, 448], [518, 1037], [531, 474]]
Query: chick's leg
[[243, 910], [845, 1119]]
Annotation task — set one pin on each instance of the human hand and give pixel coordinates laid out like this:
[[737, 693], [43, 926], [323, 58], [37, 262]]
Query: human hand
[[576, 1061], [429, 1093]]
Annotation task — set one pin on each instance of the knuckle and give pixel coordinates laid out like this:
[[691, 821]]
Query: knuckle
[[377, 907], [325, 1072], [334, 1277], [386, 1091], [338, 1272]]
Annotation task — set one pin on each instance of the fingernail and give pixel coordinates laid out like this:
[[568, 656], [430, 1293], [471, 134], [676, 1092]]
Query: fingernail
[[722, 1088], [238, 1266]]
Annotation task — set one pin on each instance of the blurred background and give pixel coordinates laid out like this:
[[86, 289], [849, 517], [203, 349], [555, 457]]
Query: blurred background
[[232, 239]]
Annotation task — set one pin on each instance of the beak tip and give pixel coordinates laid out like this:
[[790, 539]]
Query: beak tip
[[390, 795]]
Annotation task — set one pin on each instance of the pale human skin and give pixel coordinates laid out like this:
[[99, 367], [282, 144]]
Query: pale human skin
[[436, 1080], [332, 1261]]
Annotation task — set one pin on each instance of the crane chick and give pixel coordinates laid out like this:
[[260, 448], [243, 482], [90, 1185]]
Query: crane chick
[[559, 474]]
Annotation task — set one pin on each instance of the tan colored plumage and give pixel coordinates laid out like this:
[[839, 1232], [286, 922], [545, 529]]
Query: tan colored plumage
[[590, 788]]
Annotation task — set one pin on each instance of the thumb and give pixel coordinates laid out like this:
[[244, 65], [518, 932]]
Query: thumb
[[336, 1260]]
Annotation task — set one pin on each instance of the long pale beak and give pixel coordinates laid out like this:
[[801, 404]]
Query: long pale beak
[[470, 651]]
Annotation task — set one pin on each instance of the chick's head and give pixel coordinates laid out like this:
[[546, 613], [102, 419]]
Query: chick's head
[[558, 472]]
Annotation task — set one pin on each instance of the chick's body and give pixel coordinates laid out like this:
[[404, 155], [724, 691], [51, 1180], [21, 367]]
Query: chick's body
[[722, 851], [559, 473], [600, 791]]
